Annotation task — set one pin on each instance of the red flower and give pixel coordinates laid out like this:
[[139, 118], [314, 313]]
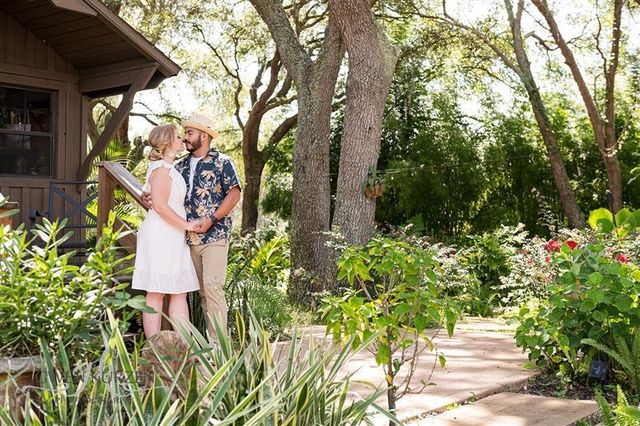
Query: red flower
[[547, 259], [622, 258], [572, 244], [552, 246]]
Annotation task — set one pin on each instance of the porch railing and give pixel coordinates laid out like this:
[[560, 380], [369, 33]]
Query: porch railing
[[112, 176]]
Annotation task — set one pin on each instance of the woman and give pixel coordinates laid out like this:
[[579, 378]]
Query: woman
[[163, 263]]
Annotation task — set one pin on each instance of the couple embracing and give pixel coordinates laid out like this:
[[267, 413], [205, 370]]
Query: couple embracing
[[184, 240]]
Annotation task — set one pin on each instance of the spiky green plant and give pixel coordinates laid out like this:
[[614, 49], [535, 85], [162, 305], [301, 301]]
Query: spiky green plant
[[233, 383]]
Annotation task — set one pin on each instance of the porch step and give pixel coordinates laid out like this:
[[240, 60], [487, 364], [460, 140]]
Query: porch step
[[514, 409]]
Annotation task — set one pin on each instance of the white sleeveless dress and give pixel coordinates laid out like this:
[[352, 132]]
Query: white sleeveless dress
[[163, 260]]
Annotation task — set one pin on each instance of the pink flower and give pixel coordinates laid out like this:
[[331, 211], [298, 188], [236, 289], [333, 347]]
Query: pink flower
[[529, 262], [572, 244], [622, 258], [552, 246]]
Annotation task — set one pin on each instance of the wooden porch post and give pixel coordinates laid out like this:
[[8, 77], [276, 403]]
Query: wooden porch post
[[106, 193]]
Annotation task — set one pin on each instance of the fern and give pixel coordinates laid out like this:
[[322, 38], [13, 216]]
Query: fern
[[622, 415], [608, 418], [628, 358]]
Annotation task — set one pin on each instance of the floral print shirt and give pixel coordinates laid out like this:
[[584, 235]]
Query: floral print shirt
[[214, 177]]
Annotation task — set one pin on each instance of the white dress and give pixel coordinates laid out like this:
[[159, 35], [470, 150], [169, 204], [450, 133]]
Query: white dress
[[163, 260]]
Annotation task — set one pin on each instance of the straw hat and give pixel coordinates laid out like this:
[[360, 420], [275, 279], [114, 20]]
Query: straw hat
[[202, 123]]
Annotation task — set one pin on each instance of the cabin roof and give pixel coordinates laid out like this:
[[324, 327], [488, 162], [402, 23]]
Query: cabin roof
[[106, 51]]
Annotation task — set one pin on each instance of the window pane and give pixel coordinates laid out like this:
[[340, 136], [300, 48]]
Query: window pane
[[22, 109], [25, 155], [38, 111], [22, 112]]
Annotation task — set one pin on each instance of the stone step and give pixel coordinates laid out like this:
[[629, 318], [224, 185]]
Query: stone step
[[513, 409]]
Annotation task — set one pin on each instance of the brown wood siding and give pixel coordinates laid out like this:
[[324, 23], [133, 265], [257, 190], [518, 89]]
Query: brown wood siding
[[19, 47], [26, 61]]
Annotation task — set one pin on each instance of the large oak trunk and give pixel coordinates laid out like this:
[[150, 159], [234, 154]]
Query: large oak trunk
[[372, 60]]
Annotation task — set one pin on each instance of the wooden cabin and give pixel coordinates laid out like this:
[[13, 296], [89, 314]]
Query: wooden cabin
[[55, 56]]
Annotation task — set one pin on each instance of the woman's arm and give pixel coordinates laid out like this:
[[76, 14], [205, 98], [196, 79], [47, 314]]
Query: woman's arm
[[160, 182]]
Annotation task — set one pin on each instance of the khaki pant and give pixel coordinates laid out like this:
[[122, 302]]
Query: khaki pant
[[210, 261]]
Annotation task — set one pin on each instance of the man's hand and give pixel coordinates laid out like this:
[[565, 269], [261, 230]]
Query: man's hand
[[194, 226], [146, 200], [205, 225]]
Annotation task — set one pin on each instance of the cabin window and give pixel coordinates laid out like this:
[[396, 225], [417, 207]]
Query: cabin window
[[26, 131]]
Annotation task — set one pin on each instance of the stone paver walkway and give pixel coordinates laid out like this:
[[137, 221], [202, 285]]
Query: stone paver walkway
[[479, 363], [512, 409]]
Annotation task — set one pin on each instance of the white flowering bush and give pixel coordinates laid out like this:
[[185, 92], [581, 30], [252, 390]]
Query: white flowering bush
[[45, 297]]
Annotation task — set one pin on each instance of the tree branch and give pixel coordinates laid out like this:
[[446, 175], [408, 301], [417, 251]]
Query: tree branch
[[278, 134], [294, 56], [449, 20], [257, 82]]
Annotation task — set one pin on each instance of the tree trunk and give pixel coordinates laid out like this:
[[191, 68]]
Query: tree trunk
[[253, 167], [251, 194], [372, 60], [315, 85], [565, 192], [605, 144]]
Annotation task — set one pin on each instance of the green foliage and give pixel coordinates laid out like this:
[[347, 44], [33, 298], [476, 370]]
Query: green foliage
[[622, 414], [262, 255], [625, 221], [43, 296], [593, 295], [3, 201], [530, 274], [624, 354], [472, 275], [487, 259], [392, 295], [268, 304], [257, 275], [226, 384], [430, 155]]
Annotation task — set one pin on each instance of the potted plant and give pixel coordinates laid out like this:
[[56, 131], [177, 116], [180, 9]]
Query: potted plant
[[374, 185], [46, 300], [7, 210]]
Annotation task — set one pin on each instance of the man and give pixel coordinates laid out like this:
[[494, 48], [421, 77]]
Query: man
[[213, 190]]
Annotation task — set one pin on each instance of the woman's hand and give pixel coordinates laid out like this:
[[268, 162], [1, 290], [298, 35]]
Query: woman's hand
[[146, 200], [194, 225]]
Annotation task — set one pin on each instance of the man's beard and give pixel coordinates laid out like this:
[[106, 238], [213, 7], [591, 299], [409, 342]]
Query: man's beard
[[193, 146]]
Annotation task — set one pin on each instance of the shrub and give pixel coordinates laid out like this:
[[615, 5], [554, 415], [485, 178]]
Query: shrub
[[269, 305], [43, 296], [392, 294], [593, 296]]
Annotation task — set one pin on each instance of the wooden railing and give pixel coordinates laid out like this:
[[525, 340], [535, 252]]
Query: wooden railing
[[110, 177]]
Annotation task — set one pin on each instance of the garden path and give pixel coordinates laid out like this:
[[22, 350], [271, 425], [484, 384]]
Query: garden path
[[482, 360]]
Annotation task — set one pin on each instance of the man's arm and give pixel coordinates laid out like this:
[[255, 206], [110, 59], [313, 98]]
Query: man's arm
[[228, 203]]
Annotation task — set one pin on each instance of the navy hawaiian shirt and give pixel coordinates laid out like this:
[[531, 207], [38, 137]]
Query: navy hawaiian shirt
[[214, 177]]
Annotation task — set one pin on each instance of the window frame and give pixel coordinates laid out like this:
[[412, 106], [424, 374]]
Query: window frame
[[51, 134]]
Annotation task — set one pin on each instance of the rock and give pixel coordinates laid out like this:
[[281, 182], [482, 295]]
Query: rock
[[168, 348]]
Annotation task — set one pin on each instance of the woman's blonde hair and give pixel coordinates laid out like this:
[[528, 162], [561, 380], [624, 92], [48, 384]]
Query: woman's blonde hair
[[160, 138]]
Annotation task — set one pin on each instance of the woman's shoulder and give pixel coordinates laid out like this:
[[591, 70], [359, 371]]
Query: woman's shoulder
[[159, 167], [159, 164]]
